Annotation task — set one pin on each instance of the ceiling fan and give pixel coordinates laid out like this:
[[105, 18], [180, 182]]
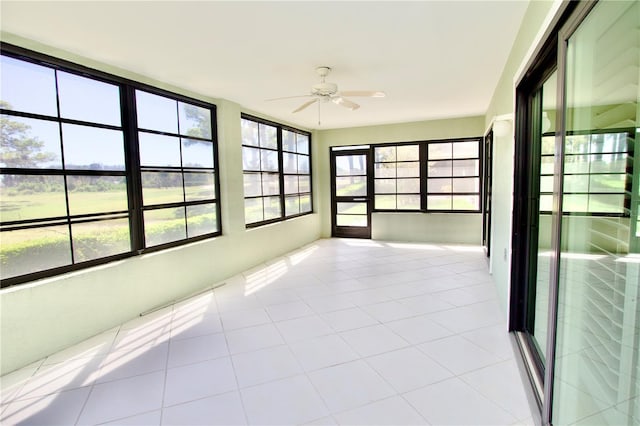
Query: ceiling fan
[[326, 91]]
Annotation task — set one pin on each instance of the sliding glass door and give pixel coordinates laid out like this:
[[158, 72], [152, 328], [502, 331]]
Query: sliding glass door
[[576, 252], [598, 320]]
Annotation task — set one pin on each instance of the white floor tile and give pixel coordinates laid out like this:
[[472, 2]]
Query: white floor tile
[[199, 380], [225, 409], [62, 408], [195, 349], [289, 310], [418, 329], [146, 419], [123, 364], [253, 338], [324, 421], [348, 319], [501, 383], [458, 354], [391, 411], [303, 328], [187, 325], [12, 383], [323, 352], [369, 297], [373, 340], [349, 385], [335, 302], [123, 398], [233, 320], [494, 339], [70, 374], [408, 369], [452, 402], [265, 365], [96, 345], [389, 311], [289, 401], [470, 317], [425, 304]]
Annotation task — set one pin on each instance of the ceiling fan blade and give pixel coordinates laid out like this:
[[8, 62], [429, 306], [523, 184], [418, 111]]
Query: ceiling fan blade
[[339, 100], [288, 97], [364, 93], [304, 105]]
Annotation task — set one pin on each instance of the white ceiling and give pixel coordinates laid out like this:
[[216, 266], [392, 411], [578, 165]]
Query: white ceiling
[[434, 59]]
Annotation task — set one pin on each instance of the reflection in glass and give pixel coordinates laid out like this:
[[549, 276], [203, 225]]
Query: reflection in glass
[[289, 163], [87, 99], [96, 194], [466, 202], [156, 112], [408, 169], [31, 197], [439, 185], [163, 226], [161, 188], [27, 87], [201, 219], [408, 153], [304, 183], [250, 158], [439, 202], [385, 153], [465, 149], [385, 186], [42, 150], [92, 148], [385, 202], [159, 150], [408, 186], [597, 359], [103, 238], [32, 250], [408, 201], [197, 153], [439, 168], [383, 170], [305, 203], [303, 164]]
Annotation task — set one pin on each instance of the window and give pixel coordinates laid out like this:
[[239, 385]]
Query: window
[[438, 176], [595, 174], [80, 185], [453, 175], [277, 171], [177, 167], [397, 177]]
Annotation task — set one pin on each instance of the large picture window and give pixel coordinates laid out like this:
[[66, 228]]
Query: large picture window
[[431, 176], [277, 171], [80, 184]]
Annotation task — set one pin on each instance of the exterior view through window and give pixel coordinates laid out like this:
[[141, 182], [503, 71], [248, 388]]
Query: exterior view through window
[[277, 171], [71, 176]]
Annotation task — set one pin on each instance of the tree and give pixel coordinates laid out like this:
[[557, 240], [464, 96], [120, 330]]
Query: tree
[[17, 148], [200, 116]]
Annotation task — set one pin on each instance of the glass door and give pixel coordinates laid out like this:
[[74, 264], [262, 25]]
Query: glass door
[[350, 193], [597, 351]]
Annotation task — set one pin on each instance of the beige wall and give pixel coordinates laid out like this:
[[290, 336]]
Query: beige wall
[[42, 317], [426, 226], [502, 106]]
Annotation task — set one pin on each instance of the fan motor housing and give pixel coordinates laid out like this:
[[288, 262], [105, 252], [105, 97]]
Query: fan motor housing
[[324, 89]]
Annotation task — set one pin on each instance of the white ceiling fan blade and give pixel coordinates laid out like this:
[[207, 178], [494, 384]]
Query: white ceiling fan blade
[[288, 97], [363, 93], [339, 100], [304, 105]]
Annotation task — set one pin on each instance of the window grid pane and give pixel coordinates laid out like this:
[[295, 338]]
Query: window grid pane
[[79, 209], [453, 175], [397, 177], [277, 175]]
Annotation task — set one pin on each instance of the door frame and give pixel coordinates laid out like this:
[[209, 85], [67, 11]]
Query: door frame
[[351, 231]]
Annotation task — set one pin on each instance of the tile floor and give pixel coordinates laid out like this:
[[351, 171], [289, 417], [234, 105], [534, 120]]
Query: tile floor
[[337, 332]]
